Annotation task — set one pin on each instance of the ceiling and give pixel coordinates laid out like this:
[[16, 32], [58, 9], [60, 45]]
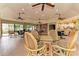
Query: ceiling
[[32, 14]]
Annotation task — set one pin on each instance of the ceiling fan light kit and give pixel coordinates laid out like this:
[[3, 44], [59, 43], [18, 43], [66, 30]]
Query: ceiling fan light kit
[[20, 17]]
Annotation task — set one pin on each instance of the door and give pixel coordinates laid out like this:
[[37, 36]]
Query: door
[[5, 29]]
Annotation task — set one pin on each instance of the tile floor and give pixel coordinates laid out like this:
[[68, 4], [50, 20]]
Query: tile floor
[[13, 46]]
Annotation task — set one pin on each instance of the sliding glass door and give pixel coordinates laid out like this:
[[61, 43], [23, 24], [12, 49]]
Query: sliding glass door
[[8, 28], [5, 29], [21, 27], [18, 27], [11, 28], [30, 27]]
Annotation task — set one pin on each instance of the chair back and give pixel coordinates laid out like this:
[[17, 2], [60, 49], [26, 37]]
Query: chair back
[[35, 34], [30, 41], [72, 40]]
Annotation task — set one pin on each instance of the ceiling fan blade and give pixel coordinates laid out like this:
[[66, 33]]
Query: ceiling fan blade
[[36, 4], [42, 7], [49, 4]]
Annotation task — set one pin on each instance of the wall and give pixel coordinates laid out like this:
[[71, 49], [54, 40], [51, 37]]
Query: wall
[[0, 28]]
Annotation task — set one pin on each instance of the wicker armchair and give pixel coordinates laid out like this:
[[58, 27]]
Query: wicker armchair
[[36, 35], [70, 49], [31, 46]]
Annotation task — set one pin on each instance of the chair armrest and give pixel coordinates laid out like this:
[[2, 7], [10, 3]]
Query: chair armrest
[[58, 50], [66, 49]]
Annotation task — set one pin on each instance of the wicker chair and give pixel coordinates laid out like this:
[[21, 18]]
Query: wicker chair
[[31, 46], [36, 35], [59, 50]]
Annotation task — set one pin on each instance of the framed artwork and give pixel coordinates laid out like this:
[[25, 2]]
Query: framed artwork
[[43, 29]]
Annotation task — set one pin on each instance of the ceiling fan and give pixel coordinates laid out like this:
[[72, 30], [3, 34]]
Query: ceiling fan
[[59, 17], [39, 21], [19, 15], [59, 14], [43, 5]]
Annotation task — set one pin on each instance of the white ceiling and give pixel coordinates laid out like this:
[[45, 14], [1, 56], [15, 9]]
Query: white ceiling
[[32, 14]]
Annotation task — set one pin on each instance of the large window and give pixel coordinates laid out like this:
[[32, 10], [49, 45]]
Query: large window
[[18, 27], [30, 27], [21, 27], [11, 27], [5, 29]]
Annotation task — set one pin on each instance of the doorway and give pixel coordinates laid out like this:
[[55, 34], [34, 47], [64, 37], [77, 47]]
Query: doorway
[[5, 29]]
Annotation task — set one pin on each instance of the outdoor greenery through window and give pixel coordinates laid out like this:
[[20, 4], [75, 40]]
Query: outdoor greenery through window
[[18, 27], [30, 27]]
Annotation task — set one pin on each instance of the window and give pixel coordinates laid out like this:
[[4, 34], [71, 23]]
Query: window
[[21, 27], [18, 27], [11, 27], [30, 27], [5, 29]]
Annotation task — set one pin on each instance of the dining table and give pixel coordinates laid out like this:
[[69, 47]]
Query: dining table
[[48, 41]]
